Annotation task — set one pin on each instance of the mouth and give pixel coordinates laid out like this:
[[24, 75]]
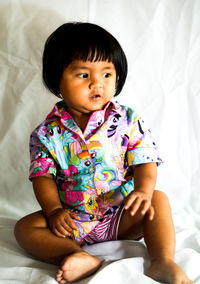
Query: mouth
[[95, 97]]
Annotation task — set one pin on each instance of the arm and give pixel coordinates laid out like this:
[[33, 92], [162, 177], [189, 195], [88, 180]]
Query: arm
[[46, 193], [144, 184], [59, 219]]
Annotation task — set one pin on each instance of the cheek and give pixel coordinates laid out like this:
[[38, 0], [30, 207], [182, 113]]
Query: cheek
[[112, 87], [63, 87], [69, 88]]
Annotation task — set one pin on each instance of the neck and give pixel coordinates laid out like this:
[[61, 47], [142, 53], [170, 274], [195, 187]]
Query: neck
[[82, 122], [81, 119]]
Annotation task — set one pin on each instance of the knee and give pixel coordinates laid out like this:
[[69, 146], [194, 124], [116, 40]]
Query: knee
[[160, 194], [160, 197], [27, 224], [20, 228]]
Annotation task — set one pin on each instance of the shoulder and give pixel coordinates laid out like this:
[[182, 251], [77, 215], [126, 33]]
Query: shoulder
[[127, 112], [51, 119]]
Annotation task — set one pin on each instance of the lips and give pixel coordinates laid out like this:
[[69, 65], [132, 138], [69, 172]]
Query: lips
[[95, 96]]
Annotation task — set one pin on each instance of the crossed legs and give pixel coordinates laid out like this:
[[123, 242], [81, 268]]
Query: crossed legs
[[33, 234]]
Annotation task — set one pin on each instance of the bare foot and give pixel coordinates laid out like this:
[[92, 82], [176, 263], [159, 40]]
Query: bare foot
[[167, 271], [77, 266]]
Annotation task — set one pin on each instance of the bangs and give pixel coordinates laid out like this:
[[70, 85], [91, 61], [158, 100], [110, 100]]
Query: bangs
[[92, 45], [93, 54]]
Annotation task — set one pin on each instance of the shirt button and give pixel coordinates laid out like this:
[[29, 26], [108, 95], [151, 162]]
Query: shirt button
[[91, 170]]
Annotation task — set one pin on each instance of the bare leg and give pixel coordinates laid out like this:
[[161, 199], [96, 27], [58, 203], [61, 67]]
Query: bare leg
[[33, 234], [159, 236]]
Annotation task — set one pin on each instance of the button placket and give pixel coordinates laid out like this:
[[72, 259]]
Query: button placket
[[91, 170]]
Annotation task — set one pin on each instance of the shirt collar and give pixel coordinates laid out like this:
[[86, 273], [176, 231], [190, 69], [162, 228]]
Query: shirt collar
[[60, 110]]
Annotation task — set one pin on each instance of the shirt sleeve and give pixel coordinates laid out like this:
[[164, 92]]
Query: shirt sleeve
[[142, 147], [41, 160]]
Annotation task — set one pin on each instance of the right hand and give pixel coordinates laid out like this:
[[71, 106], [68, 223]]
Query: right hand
[[61, 222]]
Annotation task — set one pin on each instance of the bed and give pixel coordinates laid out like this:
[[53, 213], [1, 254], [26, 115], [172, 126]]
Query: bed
[[161, 39]]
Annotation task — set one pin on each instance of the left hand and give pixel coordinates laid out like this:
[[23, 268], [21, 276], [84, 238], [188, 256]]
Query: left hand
[[139, 201]]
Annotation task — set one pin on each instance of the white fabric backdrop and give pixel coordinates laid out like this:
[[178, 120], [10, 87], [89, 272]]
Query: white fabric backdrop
[[161, 39]]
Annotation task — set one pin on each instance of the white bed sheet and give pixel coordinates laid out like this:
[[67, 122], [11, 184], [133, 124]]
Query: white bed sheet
[[162, 43]]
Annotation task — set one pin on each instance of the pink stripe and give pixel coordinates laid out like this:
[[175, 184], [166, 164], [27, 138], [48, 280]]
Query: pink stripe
[[107, 229]]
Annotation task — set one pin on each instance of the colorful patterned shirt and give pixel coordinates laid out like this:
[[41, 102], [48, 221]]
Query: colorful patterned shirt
[[91, 168]]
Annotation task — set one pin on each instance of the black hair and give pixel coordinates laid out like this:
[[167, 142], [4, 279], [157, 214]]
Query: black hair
[[85, 41]]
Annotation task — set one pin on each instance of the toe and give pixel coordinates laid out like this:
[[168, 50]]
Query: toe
[[59, 272], [63, 281], [59, 275]]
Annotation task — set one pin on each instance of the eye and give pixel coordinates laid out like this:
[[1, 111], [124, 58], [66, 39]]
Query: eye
[[106, 75], [99, 122], [93, 155], [114, 119], [125, 140], [82, 75], [59, 130], [51, 132], [39, 154], [87, 163]]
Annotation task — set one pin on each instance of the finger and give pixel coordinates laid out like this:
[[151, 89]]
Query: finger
[[70, 223], [135, 206], [129, 201], [66, 227], [151, 213], [145, 207], [58, 234], [65, 231], [74, 215]]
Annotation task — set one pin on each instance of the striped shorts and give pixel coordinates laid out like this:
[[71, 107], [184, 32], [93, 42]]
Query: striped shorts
[[107, 230]]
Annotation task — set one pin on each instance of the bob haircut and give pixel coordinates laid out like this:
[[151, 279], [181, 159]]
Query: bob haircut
[[84, 41]]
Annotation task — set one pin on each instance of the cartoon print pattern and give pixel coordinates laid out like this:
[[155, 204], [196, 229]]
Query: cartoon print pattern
[[90, 167]]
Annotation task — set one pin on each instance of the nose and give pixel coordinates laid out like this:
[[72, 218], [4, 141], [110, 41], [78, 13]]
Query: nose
[[96, 83]]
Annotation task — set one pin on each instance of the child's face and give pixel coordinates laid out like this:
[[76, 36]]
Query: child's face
[[87, 86]]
